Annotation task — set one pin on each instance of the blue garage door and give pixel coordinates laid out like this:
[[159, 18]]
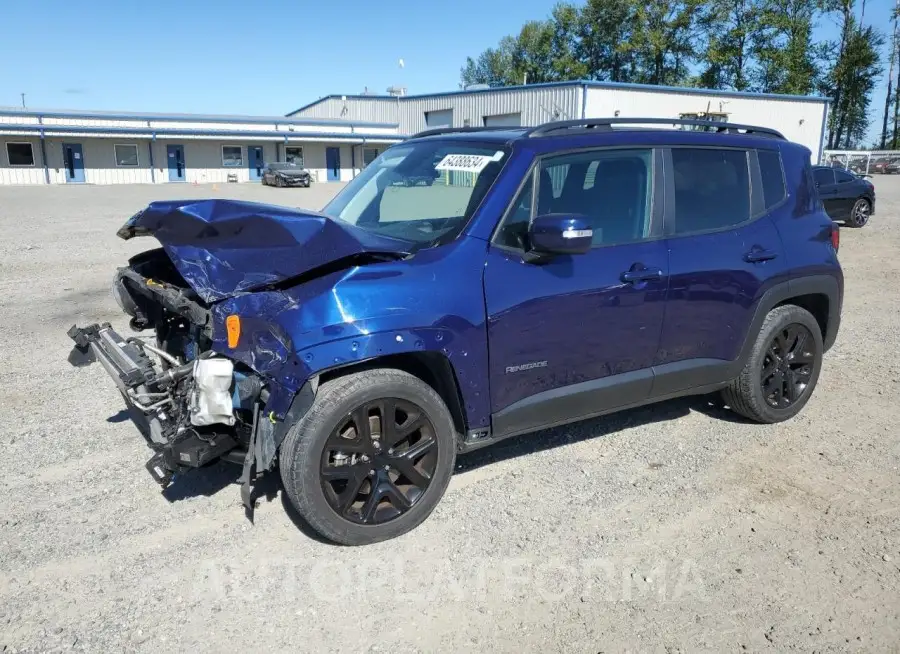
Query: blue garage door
[[256, 162], [333, 164], [73, 158], [175, 161]]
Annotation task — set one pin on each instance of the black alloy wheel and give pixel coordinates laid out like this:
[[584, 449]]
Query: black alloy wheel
[[378, 461], [787, 366], [860, 213]]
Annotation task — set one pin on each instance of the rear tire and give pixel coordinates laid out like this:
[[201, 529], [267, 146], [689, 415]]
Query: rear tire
[[782, 370], [859, 214], [343, 426]]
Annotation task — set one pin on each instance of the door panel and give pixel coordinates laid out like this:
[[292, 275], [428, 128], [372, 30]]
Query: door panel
[[847, 189], [333, 164], [828, 192], [720, 263], [255, 162], [713, 290], [575, 335], [176, 163], [572, 320], [73, 160]]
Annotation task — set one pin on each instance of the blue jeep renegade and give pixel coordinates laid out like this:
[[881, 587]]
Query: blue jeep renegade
[[470, 285]]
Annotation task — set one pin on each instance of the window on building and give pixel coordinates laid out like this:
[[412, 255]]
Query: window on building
[[20, 154], [772, 177], [231, 156], [616, 198], [442, 118], [126, 156], [503, 120], [369, 155], [294, 155], [712, 189]]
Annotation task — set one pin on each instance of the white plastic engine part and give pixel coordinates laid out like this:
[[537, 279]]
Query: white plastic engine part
[[211, 399]]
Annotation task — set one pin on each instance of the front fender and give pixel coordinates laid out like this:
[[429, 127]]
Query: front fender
[[431, 303]]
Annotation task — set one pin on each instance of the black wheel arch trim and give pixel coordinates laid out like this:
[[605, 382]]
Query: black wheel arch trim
[[827, 285], [444, 381]]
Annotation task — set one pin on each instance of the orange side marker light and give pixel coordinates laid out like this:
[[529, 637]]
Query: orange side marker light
[[233, 328]]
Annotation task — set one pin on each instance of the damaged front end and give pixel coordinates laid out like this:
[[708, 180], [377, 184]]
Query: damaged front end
[[195, 388], [192, 405]]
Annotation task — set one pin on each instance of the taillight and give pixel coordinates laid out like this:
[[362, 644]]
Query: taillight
[[835, 236]]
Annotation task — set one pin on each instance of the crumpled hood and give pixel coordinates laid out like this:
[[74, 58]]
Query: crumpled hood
[[226, 247], [292, 172]]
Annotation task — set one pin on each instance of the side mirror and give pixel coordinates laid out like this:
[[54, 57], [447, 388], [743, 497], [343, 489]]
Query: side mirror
[[560, 233]]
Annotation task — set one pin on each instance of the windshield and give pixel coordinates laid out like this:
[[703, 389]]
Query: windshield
[[284, 166], [422, 192]]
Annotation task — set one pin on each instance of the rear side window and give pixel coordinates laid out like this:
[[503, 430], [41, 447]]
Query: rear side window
[[772, 177], [712, 189], [843, 177], [823, 176]]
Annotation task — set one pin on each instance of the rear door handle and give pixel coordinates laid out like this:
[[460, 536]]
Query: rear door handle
[[758, 254], [642, 275]]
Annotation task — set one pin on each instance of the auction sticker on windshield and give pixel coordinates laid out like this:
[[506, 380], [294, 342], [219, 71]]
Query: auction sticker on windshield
[[470, 163]]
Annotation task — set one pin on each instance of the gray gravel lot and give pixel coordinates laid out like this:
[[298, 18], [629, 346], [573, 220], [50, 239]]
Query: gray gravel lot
[[671, 528]]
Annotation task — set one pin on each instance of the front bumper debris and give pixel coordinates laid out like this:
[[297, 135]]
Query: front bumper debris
[[158, 400]]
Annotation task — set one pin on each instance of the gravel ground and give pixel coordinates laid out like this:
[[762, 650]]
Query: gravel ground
[[671, 528]]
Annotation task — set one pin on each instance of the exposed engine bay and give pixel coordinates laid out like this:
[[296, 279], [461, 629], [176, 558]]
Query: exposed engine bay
[[192, 405]]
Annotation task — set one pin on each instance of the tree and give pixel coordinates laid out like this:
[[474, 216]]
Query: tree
[[492, 67], [731, 26], [566, 60], [757, 45], [854, 77], [543, 51], [783, 48], [604, 39], [664, 39]]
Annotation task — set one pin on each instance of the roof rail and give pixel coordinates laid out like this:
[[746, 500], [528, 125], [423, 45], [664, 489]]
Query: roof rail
[[548, 129], [453, 130]]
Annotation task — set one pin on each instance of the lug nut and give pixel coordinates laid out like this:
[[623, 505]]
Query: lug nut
[[371, 472], [387, 467], [390, 450]]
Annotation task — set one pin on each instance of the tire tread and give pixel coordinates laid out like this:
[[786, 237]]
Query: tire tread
[[301, 444], [741, 394]]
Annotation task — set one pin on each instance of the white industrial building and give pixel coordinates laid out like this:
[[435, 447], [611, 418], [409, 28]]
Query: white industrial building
[[800, 118], [95, 147], [336, 136]]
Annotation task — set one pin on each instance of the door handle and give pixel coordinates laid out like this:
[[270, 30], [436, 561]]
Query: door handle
[[758, 254], [642, 275]]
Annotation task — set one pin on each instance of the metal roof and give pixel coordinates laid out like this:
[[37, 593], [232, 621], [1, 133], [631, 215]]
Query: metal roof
[[187, 118], [154, 132], [582, 83]]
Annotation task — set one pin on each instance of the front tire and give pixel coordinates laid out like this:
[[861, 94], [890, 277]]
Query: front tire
[[782, 370], [371, 458], [859, 215]]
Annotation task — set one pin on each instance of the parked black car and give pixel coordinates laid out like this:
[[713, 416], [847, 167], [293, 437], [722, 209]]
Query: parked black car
[[286, 174], [846, 196]]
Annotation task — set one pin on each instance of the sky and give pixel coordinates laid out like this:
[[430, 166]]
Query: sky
[[268, 58]]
